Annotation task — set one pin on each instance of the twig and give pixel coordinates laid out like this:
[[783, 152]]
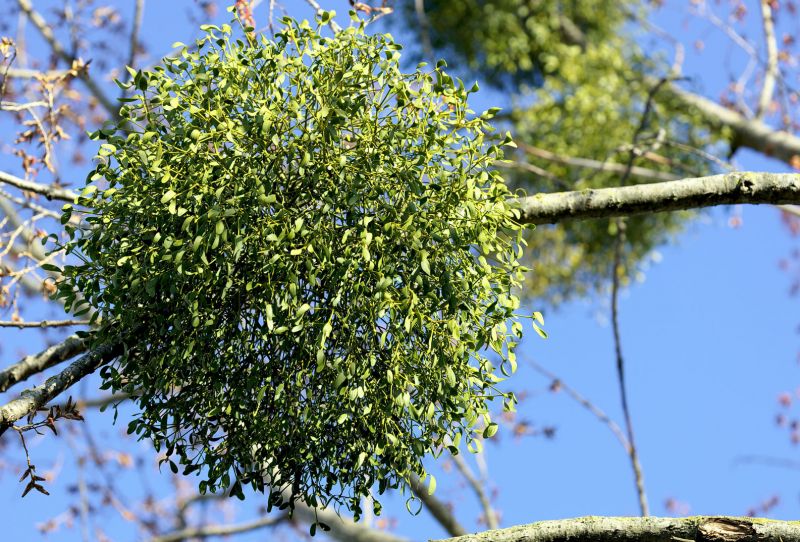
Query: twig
[[47, 33], [28, 204], [25, 73], [14, 106], [44, 323], [780, 462], [632, 452], [791, 209], [615, 280], [588, 405], [588, 163], [314, 4]]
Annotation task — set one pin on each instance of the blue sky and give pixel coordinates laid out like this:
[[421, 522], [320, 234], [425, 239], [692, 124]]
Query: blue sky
[[709, 339]]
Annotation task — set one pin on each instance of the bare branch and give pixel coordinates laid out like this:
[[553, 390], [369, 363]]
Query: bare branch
[[22, 73], [36, 363], [30, 237], [47, 33], [749, 133], [488, 512], [585, 403], [208, 531], [597, 165], [439, 510], [32, 399], [791, 209], [634, 529], [43, 323], [424, 28], [731, 188], [771, 73], [27, 204], [343, 529], [138, 14]]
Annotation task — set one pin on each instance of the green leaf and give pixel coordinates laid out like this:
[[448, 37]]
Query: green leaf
[[168, 195]]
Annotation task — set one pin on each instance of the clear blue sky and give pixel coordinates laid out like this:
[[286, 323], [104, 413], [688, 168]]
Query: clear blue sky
[[709, 338]]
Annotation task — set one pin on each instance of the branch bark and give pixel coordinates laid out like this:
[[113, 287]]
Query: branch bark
[[752, 134], [32, 399], [48, 191], [731, 188], [439, 510], [603, 529], [209, 531], [36, 363]]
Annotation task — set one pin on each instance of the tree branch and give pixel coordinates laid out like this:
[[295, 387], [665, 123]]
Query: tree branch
[[439, 510], [47, 190], [36, 363], [217, 530], [752, 134], [32, 399], [47, 33], [771, 74], [634, 529], [489, 514], [731, 188], [43, 323], [342, 529]]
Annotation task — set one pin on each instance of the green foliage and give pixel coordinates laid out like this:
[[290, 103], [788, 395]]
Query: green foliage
[[308, 259], [578, 83], [594, 110], [515, 41]]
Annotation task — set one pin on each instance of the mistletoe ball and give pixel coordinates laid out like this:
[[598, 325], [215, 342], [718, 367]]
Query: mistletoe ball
[[308, 260]]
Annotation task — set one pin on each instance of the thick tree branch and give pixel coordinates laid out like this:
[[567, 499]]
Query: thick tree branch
[[731, 188], [36, 363], [752, 134], [439, 510], [32, 399], [600, 529], [48, 191]]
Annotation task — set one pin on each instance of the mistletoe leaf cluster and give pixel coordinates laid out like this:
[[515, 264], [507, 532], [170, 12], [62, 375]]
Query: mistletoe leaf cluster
[[309, 260]]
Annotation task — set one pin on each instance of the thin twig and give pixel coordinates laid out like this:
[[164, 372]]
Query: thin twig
[[47, 33], [584, 402], [314, 4], [615, 284]]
